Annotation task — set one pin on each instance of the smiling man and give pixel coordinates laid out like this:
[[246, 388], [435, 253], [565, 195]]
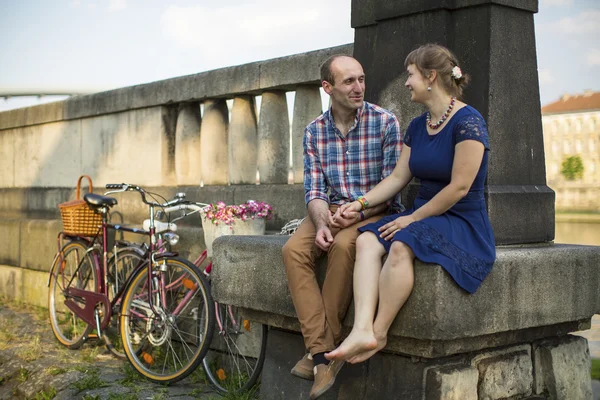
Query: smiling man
[[347, 150]]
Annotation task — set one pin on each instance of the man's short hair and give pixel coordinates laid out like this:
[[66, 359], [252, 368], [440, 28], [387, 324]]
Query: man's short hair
[[326, 73]]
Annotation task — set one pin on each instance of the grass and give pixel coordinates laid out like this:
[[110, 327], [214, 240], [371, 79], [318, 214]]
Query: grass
[[32, 350], [90, 381], [89, 354], [122, 396], [131, 376], [55, 370], [45, 394], [596, 369]]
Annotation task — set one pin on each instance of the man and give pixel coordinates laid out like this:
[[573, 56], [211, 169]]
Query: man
[[347, 151]]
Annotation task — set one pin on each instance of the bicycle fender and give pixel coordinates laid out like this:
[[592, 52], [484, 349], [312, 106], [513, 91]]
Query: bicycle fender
[[167, 254]]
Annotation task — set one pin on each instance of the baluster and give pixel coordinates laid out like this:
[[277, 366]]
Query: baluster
[[213, 143]]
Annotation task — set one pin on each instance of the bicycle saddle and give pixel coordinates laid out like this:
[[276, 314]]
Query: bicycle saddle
[[97, 200]]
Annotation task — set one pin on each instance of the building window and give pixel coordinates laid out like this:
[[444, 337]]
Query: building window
[[578, 125], [554, 147], [592, 144], [554, 168], [566, 147], [578, 146]]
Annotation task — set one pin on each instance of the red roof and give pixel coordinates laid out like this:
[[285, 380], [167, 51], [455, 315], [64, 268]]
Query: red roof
[[588, 100]]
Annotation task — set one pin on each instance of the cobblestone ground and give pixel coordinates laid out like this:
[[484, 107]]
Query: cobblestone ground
[[33, 365]]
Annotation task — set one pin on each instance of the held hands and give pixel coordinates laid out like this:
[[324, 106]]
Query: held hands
[[344, 216], [389, 230]]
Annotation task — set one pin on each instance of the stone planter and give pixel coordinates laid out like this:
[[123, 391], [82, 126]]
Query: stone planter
[[248, 227]]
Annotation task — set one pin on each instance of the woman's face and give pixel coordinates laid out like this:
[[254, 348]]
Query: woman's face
[[417, 84]]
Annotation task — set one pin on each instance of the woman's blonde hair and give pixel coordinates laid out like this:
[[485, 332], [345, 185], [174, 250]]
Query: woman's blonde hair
[[430, 57]]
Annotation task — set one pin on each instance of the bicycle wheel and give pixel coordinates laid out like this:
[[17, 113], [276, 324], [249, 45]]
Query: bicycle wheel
[[73, 267], [120, 267], [167, 340], [237, 351]]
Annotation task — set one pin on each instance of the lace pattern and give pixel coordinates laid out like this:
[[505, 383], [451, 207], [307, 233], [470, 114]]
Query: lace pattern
[[472, 127], [474, 266]]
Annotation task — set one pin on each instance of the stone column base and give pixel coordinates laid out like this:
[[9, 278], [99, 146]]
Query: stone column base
[[555, 368]]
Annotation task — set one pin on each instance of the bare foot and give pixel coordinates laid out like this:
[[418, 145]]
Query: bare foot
[[360, 357], [357, 342]]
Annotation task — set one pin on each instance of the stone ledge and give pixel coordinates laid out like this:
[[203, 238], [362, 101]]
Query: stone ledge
[[532, 292]]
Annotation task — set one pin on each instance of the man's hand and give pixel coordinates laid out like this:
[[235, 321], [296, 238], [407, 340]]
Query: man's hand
[[341, 221], [324, 238]]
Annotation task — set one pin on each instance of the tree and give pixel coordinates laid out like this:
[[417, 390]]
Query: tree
[[572, 168]]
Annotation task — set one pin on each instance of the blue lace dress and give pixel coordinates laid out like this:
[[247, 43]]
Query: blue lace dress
[[461, 239]]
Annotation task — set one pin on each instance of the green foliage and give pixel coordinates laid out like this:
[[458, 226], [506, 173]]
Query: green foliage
[[90, 381], [45, 394], [572, 168], [596, 369]]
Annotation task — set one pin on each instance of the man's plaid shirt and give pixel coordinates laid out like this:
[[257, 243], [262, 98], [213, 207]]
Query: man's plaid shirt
[[348, 167]]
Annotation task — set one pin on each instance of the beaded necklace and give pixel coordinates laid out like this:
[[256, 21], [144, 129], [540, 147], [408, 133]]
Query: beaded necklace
[[441, 121]]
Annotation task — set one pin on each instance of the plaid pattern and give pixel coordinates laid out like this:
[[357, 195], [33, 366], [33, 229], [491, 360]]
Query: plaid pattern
[[338, 169]]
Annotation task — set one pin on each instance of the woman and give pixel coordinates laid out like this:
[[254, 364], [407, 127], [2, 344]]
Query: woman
[[447, 149]]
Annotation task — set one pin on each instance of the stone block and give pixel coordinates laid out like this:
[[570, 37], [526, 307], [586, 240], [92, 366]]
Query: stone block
[[505, 373], [562, 368], [48, 154], [38, 244], [452, 383], [10, 234]]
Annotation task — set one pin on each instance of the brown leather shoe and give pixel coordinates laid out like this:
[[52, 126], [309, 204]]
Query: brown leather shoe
[[304, 368], [324, 378]]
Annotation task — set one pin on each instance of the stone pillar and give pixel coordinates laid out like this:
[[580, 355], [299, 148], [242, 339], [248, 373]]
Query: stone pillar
[[494, 40], [307, 106], [273, 138], [214, 143], [243, 141], [187, 145]]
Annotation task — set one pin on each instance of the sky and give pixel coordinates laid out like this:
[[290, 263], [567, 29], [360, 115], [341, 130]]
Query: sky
[[85, 46]]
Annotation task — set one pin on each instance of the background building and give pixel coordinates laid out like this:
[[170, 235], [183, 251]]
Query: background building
[[572, 128]]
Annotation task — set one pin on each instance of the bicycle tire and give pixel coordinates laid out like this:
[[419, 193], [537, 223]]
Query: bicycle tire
[[163, 346], [70, 330], [120, 267], [234, 362]]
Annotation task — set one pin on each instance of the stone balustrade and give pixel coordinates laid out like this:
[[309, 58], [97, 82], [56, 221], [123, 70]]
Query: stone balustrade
[[174, 132]]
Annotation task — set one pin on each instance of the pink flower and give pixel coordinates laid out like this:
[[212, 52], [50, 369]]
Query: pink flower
[[220, 212]]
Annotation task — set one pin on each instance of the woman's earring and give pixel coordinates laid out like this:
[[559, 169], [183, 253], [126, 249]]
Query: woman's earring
[[429, 88]]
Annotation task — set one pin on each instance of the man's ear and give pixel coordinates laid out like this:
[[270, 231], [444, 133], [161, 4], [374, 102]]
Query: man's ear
[[327, 87]]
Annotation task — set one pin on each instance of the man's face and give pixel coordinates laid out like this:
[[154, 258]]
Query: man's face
[[348, 89]]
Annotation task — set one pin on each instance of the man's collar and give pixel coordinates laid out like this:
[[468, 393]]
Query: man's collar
[[359, 113]]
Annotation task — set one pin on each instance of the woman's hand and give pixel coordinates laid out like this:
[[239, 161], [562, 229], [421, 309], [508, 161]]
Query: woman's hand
[[389, 230], [349, 210]]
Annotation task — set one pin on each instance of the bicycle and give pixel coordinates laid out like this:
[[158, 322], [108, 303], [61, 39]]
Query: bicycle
[[165, 307], [237, 350]]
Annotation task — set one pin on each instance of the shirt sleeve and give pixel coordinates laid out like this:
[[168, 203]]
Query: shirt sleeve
[[408, 134], [472, 127], [392, 146], [315, 186]]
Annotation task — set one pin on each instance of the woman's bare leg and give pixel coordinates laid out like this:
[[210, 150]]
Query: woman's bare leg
[[395, 285], [367, 268]]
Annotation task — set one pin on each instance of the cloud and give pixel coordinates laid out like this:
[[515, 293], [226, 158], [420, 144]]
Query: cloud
[[593, 57], [115, 5], [545, 76], [558, 3], [586, 22], [249, 31]]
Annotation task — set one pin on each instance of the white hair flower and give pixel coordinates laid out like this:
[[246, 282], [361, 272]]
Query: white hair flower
[[456, 72]]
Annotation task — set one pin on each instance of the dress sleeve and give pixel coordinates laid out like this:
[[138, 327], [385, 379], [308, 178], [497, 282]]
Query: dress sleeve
[[472, 127]]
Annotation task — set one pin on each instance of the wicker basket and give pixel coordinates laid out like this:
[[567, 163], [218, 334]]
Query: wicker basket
[[77, 217]]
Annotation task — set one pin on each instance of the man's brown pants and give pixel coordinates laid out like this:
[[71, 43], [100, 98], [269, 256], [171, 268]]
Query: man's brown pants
[[321, 312]]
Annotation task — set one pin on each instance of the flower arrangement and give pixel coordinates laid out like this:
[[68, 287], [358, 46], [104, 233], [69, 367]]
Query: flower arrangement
[[221, 213]]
